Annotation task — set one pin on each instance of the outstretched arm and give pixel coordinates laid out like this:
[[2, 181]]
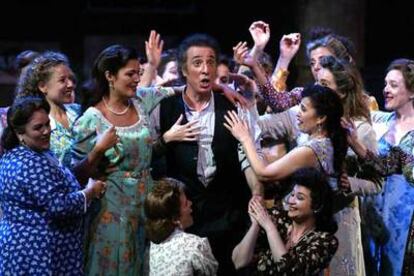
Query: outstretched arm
[[153, 50], [277, 101], [260, 32], [298, 158], [288, 46]]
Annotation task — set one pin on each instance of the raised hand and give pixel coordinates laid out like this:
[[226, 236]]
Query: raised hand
[[238, 128], [244, 82], [187, 132], [289, 45], [352, 135], [241, 54], [260, 33], [153, 49]]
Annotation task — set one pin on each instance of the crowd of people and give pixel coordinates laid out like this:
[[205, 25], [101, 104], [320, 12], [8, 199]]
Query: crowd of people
[[199, 164]]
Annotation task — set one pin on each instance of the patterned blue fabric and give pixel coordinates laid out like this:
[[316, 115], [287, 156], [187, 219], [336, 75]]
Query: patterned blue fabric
[[61, 139], [389, 214], [41, 229]]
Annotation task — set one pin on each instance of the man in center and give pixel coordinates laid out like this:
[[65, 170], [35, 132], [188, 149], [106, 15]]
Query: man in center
[[213, 167]]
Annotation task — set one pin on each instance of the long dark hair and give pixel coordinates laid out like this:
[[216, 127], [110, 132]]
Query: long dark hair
[[327, 103], [18, 116], [162, 209], [111, 59], [321, 196]]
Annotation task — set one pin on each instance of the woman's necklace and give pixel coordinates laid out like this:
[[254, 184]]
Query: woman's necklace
[[123, 112], [291, 243]]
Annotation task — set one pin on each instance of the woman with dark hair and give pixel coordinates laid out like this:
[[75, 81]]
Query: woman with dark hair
[[172, 251], [22, 61], [357, 179], [117, 238], [320, 118], [345, 80], [41, 230], [300, 241]]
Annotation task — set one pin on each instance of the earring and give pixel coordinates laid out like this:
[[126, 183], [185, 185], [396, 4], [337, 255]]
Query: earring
[[111, 85], [21, 140], [319, 128], [318, 210], [179, 225]]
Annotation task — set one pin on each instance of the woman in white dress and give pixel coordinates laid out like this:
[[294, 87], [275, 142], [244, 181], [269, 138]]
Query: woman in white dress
[[172, 251]]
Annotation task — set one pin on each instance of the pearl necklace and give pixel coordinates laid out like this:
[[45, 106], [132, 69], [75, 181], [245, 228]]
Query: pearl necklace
[[123, 112]]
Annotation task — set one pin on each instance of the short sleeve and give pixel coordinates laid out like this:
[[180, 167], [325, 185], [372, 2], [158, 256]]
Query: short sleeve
[[150, 97], [203, 260], [85, 132], [310, 258]]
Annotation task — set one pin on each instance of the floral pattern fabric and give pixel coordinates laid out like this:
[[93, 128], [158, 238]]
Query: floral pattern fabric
[[349, 258], [389, 215], [280, 101], [61, 138], [182, 254], [116, 242], [41, 230], [309, 256]]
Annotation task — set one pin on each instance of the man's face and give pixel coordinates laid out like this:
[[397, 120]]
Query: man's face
[[200, 69]]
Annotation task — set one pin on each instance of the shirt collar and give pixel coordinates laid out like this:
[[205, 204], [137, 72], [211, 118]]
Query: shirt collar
[[187, 107]]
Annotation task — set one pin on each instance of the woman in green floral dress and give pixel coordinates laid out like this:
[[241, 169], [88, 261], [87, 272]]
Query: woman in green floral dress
[[116, 240]]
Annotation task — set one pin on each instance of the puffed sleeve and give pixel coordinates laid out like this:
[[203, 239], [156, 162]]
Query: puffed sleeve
[[279, 126], [85, 133], [150, 97], [203, 260]]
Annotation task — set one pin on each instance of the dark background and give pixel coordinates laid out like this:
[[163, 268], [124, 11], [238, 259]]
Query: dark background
[[381, 30]]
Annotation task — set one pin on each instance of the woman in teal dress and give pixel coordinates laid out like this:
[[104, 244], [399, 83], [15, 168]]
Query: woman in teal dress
[[116, 240]]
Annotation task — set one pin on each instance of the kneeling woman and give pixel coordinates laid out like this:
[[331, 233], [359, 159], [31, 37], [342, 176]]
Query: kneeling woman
[[172, 251], [300, 241]]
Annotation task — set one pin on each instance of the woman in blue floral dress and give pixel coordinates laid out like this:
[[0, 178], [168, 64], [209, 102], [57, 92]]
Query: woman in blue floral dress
[[43, 204], [390, 215]]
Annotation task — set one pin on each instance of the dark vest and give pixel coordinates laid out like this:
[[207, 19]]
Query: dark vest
[[223, 203]]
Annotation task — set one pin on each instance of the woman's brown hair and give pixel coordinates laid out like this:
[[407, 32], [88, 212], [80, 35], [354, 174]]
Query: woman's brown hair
[[162, 209]]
